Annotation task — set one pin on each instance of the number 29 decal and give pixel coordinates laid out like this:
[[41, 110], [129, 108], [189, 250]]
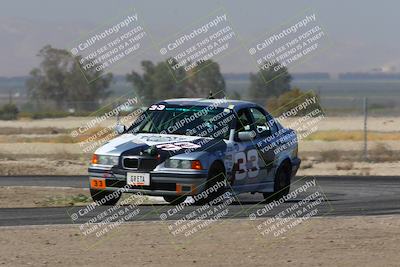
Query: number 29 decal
[[247, 164]]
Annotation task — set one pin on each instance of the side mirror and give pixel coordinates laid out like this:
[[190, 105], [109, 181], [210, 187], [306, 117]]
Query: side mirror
[[263, 130], [119, 128], [246, 135]]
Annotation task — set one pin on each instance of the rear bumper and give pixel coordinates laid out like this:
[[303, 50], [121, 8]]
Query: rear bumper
[[161, 183]]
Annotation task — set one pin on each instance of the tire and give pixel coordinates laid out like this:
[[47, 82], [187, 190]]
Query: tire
[[216, 176], [281, 183], [99, 196], [174, 200]]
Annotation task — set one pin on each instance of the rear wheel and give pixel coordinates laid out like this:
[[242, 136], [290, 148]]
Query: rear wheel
[[281, 183], [105, 198], [215, 186], [175, 200]]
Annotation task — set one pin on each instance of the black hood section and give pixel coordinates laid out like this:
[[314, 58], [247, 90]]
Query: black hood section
[[208, 145]]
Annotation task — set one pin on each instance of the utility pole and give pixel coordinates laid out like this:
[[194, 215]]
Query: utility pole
[[118, 115], [9, 96], [365, 129]]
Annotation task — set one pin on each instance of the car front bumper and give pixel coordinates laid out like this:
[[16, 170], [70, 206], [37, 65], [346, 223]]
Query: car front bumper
[[161, 183]]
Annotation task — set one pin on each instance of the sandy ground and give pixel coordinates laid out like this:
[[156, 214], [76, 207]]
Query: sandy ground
[[39, 148], [70, 159], [304, 146], [341, 241], [37, 166], [349, 168], [35, 196], [43, 166], [344, 241], [384, 124], [63, 123]]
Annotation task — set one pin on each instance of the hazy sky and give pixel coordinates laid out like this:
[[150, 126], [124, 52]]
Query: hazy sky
[[364, 34]]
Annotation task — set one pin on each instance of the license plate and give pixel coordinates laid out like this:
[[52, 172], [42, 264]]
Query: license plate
[[136, 178]]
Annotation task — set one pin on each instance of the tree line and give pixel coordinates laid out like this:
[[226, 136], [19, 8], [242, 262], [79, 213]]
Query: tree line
[[59, 78]]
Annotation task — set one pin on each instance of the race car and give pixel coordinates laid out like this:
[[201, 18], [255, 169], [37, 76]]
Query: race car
[[199, 148]]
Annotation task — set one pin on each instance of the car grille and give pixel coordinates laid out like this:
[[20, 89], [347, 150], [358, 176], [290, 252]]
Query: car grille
[[141, 164], [130, 163], [147, 164], [152, 186]]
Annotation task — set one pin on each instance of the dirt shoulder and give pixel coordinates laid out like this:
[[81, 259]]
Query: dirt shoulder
[[36, 166], [44, 147], [37, 196], [344, 241], [348, 168], [350, 123], [42, 166]]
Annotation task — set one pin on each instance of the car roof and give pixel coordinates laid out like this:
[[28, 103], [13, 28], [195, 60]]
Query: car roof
[[219, 102]]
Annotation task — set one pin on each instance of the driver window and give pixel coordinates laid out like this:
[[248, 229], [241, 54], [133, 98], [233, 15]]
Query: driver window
[[260, 122], [243, 122]]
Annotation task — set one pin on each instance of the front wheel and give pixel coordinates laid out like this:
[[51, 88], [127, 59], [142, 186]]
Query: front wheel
[[215, 186], [105, 198]]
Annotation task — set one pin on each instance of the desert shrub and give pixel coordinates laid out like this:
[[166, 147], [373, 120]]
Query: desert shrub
[[306, 165], [51, 114], [344, 166], [9, 112], [289, 100], [381, 153], [330, 155]]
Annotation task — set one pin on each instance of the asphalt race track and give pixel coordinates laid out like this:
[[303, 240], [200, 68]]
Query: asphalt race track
[[343, 196]]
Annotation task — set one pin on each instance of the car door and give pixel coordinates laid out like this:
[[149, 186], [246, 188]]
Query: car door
[[265, 140], [246, 159]]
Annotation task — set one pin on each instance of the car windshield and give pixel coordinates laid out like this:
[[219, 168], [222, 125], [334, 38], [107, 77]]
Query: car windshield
[[205, 121]]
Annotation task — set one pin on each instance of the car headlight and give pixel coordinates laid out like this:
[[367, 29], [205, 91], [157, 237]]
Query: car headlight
[[183, 164], [105, 160]]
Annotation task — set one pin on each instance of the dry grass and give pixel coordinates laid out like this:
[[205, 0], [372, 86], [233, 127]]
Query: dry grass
[[33, 130], [306, 165], [344, 166], [331, 155], [378, 153], [68, 200], [61, 155], [67, 138], [382, 153], [57, 135], [335, 135], [38, 139]]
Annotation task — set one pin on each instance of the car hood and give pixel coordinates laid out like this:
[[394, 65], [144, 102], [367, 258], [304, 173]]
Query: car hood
[[134, 144]]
